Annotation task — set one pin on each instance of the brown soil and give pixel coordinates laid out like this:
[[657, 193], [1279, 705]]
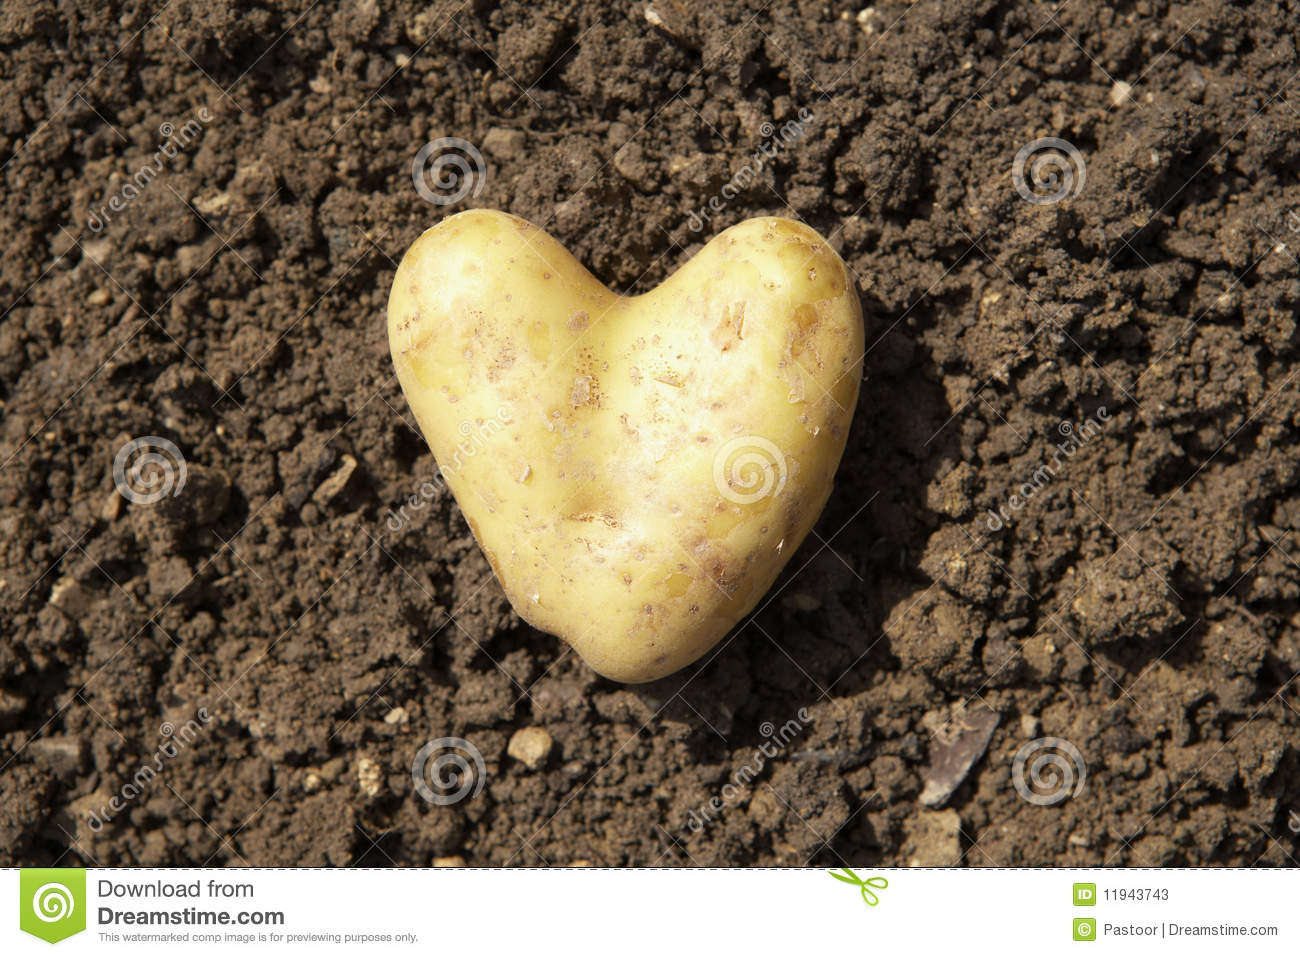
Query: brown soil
[[1140, 601]]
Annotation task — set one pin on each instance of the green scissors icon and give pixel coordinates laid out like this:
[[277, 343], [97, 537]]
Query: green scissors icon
[[868, 895]]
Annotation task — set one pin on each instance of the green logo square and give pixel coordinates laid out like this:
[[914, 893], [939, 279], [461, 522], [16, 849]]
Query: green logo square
[[52, 902], [1085, 928], [1085, 895]]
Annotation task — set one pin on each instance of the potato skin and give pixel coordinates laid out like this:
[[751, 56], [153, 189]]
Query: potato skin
[[637, 470]]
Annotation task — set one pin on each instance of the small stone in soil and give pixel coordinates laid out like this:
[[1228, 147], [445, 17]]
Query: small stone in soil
[[959, 739], [71, 597], [503, 143], [329, 489], [368, 776], [934, 839], [11, 705], [531, 746]]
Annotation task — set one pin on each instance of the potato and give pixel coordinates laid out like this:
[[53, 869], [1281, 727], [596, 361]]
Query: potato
[[638, 469]]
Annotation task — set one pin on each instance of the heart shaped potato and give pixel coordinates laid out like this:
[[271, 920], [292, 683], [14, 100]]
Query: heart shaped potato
[[636, 469]]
